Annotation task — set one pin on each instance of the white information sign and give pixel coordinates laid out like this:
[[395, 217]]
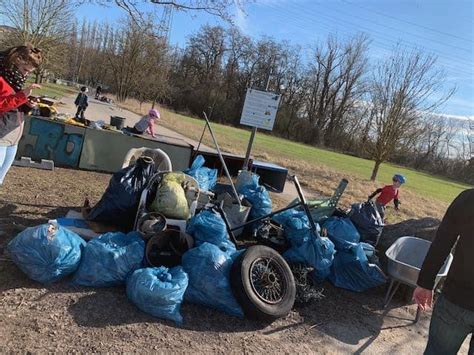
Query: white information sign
[[260, 109]]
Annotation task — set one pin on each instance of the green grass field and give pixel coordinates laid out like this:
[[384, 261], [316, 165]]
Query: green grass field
[[421, 183], [52, 90]]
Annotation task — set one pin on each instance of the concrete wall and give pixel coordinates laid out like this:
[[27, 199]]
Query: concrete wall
[[105, 150], [45, 139], [91, 149]]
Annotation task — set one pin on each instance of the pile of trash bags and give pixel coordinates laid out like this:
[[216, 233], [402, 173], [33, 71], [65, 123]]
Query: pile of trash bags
[[351, 268], [49, 252], [341, 257]]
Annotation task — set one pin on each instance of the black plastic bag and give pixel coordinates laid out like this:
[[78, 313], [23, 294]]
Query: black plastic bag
[[118, 205], [368, 221]]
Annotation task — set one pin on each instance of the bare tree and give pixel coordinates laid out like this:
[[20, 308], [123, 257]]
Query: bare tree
[[43, 23], [404, 87], [334, 85], [219, 8], [137, 63]]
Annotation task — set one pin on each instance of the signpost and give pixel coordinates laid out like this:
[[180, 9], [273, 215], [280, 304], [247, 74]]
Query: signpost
[[260, 109]]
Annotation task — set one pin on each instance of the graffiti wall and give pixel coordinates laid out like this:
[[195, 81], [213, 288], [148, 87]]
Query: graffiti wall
[[59, 142]]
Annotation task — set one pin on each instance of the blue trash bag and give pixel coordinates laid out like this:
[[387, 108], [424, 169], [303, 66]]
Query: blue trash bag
[[158, 291], [209, 227], [256, 194], [367, 220], [295, 224], [208, 268], [46, 253], [307, 247], [119, 203], [342, 232], [352, 271], [108, 259], [206, 177], [315, 251]]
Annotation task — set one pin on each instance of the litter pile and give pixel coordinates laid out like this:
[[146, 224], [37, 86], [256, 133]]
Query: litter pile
[[173, 239]]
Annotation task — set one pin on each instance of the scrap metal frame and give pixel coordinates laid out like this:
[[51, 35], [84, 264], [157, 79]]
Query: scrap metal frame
[[302, 202]]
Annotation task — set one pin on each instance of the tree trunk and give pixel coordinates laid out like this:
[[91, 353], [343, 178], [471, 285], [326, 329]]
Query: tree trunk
[[375, 170]]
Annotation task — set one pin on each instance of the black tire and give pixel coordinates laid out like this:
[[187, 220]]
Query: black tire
[[263, 284]]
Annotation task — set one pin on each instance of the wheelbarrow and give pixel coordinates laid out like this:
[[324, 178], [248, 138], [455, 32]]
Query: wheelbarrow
[[404, 260]]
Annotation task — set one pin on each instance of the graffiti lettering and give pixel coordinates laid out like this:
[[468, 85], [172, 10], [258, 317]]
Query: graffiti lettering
[[53, 142]]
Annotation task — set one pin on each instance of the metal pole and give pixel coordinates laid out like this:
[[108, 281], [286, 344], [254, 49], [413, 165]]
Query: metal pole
[[200, 140], [305, 205], [249, 149], [254, 130], [224, 165]]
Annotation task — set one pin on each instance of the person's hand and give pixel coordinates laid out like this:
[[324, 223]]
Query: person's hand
[[29, 89], [423, 298]]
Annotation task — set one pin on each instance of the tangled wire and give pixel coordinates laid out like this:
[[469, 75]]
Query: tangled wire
[[305, 290]]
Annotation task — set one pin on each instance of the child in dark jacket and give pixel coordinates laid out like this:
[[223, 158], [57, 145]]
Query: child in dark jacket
[[81, 102], [387, 194]]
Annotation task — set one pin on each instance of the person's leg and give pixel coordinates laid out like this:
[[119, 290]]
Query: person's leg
[[78, 112], [7, 156], [133, 130], [448, 328], [3, 154], [380, 209]]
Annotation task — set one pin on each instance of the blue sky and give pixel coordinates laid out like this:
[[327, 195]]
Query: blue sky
[[441, 27]]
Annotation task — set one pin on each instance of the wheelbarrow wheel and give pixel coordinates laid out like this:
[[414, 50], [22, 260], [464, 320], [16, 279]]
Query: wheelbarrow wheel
[[263, 284]]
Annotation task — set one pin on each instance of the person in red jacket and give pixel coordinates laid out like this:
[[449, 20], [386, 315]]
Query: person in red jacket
[[15, 65], [388, 193]]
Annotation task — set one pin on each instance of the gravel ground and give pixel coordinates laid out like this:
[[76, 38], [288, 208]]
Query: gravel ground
[[63, 317]]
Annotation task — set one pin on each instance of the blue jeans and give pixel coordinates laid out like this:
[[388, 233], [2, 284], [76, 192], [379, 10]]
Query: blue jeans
[[7, 155], [450, 325]]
